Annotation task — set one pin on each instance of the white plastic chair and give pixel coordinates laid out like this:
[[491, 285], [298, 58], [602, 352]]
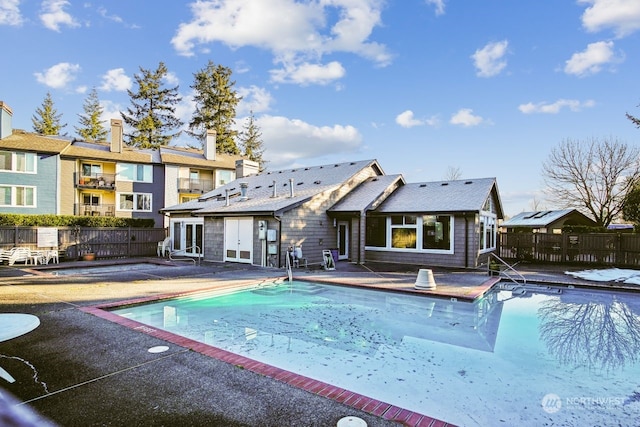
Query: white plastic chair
[[164, 247]]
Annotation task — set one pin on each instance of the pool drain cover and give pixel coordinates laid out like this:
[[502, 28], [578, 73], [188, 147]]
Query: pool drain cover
[[158, 349], [351, 422]]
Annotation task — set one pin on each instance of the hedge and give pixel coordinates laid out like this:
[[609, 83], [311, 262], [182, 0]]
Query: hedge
[[72, 221]]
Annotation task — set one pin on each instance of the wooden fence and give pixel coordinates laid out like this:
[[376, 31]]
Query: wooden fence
[[602, 249], [73, 242]]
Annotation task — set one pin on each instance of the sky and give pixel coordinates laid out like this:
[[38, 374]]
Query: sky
[[482, 88]]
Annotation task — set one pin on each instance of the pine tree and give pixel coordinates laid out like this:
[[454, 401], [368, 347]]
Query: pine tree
[[92, 128], [216, 102], [251, 141], [46, 121], [152, 115]]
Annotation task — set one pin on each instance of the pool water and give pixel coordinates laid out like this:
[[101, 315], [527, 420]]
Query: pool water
[[516, 357]]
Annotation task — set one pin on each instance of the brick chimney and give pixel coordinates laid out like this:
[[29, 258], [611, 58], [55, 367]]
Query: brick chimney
[[6, 117], [116, 136], [210, 145]]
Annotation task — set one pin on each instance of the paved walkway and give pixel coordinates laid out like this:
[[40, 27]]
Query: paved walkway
[[78, 368]]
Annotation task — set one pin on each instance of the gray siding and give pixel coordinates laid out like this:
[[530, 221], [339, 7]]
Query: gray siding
[[45, 182]]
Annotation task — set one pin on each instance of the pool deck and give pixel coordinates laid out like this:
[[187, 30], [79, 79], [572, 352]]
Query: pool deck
[[83, 366]]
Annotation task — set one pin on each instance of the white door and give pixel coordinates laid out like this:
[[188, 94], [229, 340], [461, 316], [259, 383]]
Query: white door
[[238, 240], [343, 239], [187, 237]]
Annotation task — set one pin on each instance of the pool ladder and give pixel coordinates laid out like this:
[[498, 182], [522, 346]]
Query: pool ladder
[[196, 260], [509, 272], [289, 265]]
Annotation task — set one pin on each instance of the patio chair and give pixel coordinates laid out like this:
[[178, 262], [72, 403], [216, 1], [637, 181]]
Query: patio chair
[[164, 247], [15, 254]]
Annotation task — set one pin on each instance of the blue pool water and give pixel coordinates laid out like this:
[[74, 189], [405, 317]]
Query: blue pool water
[[514, 357]]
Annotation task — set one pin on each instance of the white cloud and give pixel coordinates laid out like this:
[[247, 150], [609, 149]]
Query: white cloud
[[298, 34], [305, 74], [555, 107], [53, 15], [623, 16], [10, 13], [591, 60], [466, 118], [489, 60], [439, 5], [116, 80], [59, 75], [254, 99], [406, 119], [171, 79], [286, 140]]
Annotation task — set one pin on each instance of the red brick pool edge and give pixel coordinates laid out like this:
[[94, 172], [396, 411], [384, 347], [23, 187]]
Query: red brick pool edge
[[338, 394]]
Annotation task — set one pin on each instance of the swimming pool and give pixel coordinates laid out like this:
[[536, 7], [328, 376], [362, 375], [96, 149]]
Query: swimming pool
[[514, 357]]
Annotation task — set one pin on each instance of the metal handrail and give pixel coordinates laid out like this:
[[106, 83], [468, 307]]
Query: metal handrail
[[288, 263], [196, 260], [509, 267]]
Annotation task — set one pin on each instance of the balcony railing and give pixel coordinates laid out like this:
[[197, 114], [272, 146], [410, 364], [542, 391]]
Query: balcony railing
[[186, 185], [103, 181], [95, 210]]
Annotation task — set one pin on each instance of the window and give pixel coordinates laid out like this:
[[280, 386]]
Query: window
[[426, 233], [436, 232], [224, 176], [404, 231], [184, 199], [135, 172], [376, 234], [137, 202], [487, 233], [91, 170], [17, 162], [18, 196]]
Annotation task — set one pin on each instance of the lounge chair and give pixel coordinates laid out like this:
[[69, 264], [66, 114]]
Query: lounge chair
[[16, 254]]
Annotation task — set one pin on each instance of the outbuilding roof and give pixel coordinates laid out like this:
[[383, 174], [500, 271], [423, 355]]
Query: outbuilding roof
[[537, 219]]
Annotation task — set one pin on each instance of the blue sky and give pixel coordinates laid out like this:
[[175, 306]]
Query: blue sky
[[485, 87]]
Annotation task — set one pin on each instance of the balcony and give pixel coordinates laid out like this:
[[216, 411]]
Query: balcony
[[95, 210], [103, 181], [187, 185]]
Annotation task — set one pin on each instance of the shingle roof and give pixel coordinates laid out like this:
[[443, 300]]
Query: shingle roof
[[102, 151], [181, 156], [21, 140], [369, 194], [467, 195], [537, 218], [307, 183]]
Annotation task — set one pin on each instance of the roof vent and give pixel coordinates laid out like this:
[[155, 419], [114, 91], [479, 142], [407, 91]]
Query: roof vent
[[444, 183], [243, 190], [291, 187], [317, 182], [423, 185], [275, 189], [468, 182]]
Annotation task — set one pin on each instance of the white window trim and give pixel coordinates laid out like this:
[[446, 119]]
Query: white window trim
[[135, 197], [419, 230], [13, 197], [14, 162], [492, 219], [121, 177]]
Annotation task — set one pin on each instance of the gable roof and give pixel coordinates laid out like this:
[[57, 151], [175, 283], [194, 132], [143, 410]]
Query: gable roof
[[537, 219], [196, 158], [271, 193], [468, 195], [20, 140], [368, 195]]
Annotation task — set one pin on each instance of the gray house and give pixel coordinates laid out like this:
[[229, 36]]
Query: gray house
[[352, 208]]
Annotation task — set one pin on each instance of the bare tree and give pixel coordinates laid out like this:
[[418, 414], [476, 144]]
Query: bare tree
[[592, 176], [634, 120], [452, 174]]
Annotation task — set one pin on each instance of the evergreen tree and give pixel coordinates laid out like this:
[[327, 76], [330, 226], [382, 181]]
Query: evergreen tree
[[91, 128], [251, 141], [152, 115], [216, 102], [46, 121]]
